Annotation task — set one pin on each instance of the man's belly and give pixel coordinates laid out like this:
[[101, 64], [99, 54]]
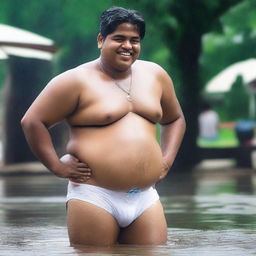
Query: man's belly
[[122, 156]]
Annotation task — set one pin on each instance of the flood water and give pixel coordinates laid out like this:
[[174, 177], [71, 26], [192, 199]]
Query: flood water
[[209, 212]]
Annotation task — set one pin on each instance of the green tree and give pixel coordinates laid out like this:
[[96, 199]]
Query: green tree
[[235, 42], [73, 25]]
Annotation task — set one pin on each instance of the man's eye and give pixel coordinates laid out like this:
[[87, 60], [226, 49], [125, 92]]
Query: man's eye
[[119, 39], [136, 41]]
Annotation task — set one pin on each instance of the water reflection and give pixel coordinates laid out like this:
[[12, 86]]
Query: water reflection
[[208, 212]]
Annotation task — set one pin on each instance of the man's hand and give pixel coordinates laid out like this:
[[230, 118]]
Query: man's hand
[[165, 170], [73, 169]]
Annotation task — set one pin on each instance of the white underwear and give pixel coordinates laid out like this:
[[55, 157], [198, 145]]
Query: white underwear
[[125, 207]]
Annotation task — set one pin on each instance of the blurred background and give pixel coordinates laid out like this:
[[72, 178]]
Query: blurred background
[[195, 41]]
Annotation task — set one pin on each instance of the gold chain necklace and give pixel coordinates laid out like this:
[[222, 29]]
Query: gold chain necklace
[[128, 92]]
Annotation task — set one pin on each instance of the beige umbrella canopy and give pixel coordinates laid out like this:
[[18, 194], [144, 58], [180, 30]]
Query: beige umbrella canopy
[[22, 43], [223, 81]]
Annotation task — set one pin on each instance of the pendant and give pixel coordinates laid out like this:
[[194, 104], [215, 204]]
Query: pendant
[[128, 97]]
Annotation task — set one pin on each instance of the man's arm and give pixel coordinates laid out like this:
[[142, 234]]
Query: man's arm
[[56, 101], [172, 123]]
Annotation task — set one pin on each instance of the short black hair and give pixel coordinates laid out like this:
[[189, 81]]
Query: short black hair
[[114, 16]]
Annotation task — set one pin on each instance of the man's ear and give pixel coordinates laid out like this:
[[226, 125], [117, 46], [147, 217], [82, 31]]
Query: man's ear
[[100, 40]]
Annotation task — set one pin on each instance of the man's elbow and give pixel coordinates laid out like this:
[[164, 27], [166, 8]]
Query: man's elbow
[[181, 123], [27, 122], [183, 120], [179, 120]]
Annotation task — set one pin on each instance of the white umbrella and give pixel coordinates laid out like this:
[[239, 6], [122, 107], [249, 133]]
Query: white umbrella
[[17, 35], [223, 81], [22, 43], [25, 53]]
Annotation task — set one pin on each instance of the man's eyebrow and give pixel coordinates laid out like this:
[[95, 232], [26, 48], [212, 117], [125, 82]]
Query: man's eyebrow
[[118, 35], [122, 36]]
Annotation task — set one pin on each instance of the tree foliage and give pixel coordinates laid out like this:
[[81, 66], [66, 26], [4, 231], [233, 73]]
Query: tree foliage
[[235, 42]]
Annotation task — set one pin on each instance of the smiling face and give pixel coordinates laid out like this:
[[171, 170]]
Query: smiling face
[[120, 49]]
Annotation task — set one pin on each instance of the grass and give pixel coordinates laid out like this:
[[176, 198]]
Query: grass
[[227, 138]]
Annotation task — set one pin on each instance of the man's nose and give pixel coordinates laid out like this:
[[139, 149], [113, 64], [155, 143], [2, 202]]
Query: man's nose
[[127, 44]]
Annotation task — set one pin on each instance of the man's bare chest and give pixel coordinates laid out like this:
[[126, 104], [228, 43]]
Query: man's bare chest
[[105, 103]]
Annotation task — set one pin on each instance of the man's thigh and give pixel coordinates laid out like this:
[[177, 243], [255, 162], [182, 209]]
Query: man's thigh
[[89, 224], [148, 228]]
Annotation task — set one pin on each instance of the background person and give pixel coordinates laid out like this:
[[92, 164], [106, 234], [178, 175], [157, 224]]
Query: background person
[[208, 121]]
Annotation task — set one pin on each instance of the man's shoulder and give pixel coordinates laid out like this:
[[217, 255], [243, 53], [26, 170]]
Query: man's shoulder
[[149, 65], [85, 67], [146, 63], [76, 73]]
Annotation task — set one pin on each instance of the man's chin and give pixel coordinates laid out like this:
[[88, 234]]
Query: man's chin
[[125, 64]]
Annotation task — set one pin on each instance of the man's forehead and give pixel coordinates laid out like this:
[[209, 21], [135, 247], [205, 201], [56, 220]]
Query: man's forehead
[[126, 27]]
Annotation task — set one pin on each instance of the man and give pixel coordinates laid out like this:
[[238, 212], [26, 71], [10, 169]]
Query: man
[[112, 105]]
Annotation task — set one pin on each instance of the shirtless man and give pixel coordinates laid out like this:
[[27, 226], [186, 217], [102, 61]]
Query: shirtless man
[[112, 105]]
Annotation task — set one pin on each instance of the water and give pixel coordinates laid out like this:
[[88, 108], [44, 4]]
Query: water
[[209, 212]]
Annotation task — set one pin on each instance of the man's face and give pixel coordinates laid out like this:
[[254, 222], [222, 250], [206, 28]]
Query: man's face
[[120, 48]]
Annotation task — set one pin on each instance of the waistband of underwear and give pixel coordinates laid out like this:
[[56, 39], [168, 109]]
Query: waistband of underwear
[[131, 191], [139, 190]]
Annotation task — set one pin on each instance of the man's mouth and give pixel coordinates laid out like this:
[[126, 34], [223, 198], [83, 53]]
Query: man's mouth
[[125, 53]]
